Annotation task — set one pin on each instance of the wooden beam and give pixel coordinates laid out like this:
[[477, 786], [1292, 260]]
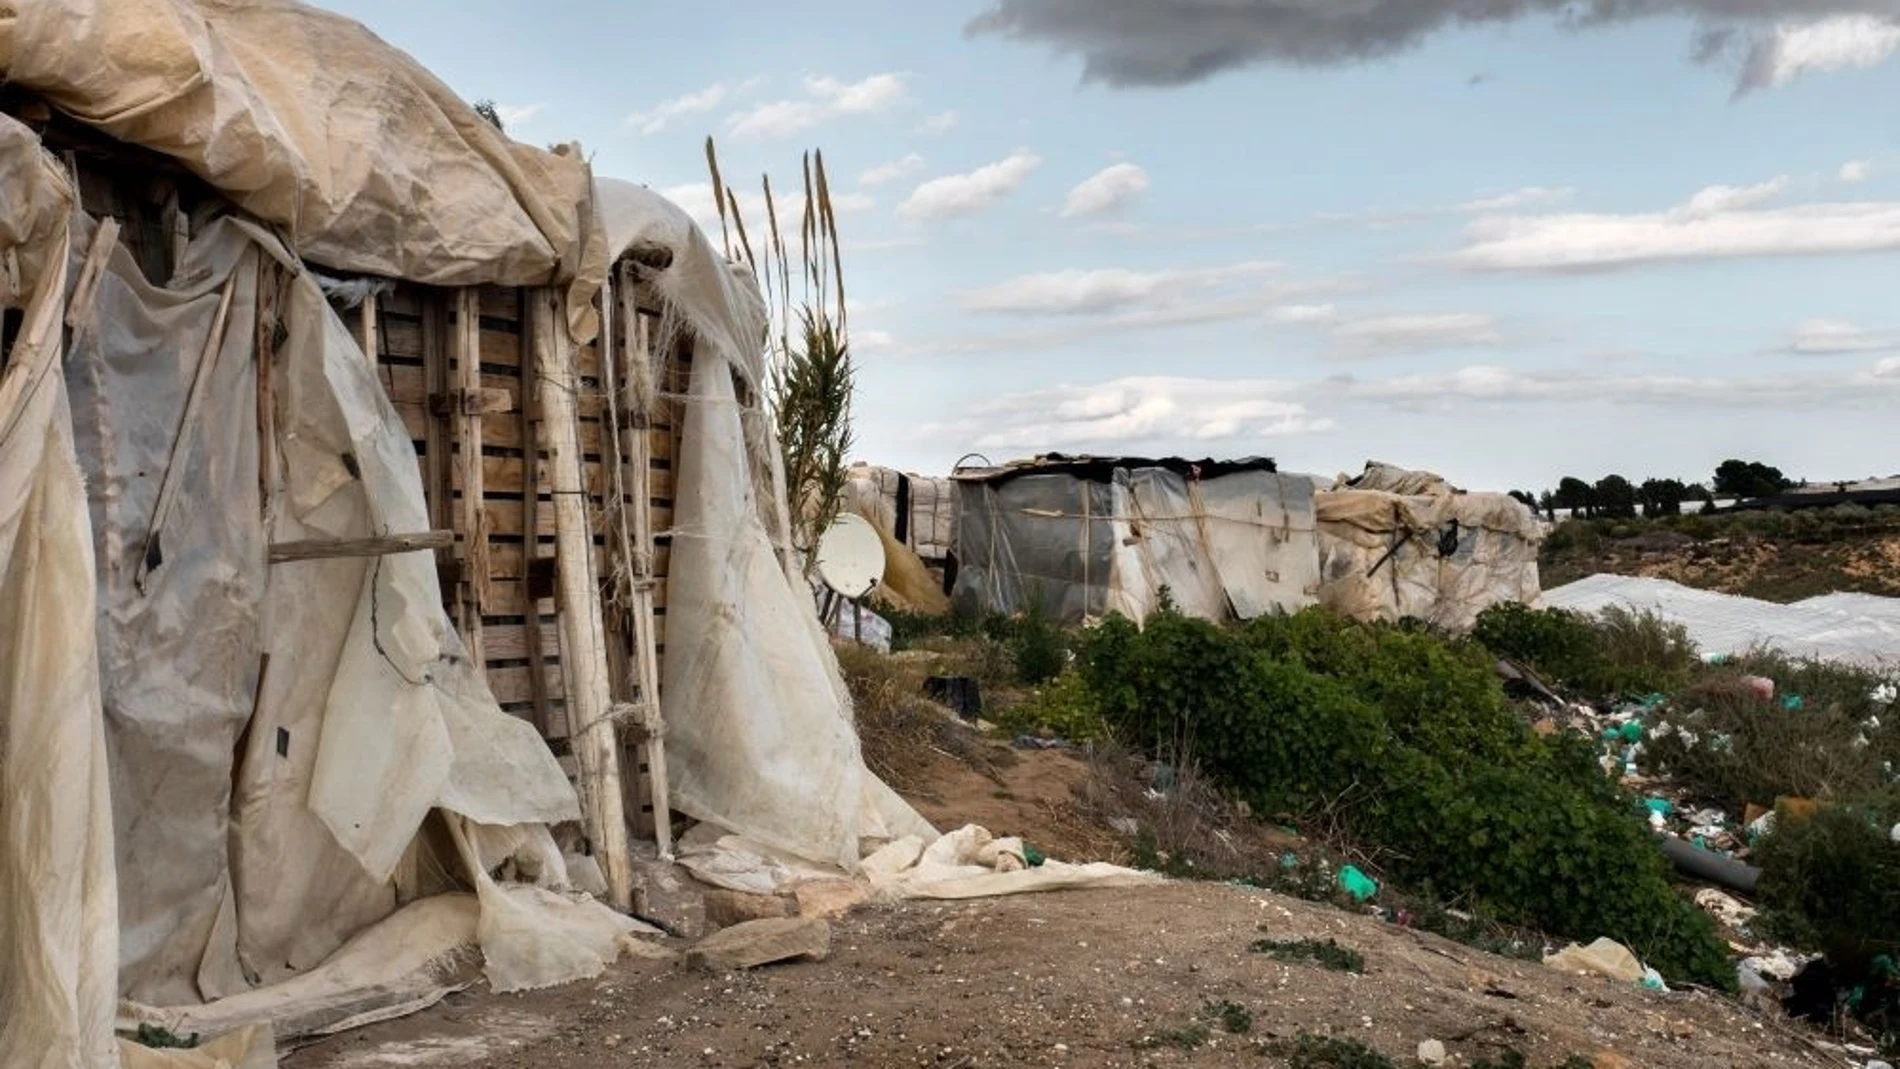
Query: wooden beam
[[467, 347], [154, 552], [476, 402], [369, 334], [435, 432], [635, 450], [380, 546], [79, 309], [583, 629], [531, 541]]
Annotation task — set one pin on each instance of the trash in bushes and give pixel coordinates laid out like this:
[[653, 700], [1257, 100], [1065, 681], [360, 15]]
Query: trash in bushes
[[1605, 957], [1357, 884], [1725, 908], [960, 693], [1779, 965], [1763, 687]]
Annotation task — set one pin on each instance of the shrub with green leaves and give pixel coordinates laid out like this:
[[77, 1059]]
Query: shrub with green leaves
[[1064, 708], [1405, 743], [1831, 882], [1613, 654]]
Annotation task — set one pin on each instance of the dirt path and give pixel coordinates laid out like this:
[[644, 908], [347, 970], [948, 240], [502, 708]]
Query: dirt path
[[1070, 979]]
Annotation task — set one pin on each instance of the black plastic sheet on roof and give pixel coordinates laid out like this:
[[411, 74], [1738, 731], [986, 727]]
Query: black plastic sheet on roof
[[1102, 469]]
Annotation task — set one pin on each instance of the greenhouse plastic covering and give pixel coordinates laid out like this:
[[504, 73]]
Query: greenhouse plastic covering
[[1856, 629]]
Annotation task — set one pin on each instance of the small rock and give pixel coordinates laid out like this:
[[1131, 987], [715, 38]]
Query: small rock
[[1431, 1052], [762, 942], [726, 908], [830, 898]]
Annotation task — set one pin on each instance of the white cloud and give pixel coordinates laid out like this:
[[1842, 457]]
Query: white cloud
[[1503, 385], [892, 170], [1888, 368], [1105, 290], [1714, 200], [872, 341], [825, 98], [1856, 171], [962, 194], [513, 115], [941, 123], [1140, 410], [1108, 190], [1528, 197], [698, 102], [1837, 43], [1302, 314], [1381, 334], [1826, 337], [1718, 222]]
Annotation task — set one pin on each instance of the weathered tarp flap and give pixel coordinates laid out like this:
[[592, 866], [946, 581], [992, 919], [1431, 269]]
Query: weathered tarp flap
[[308, 120]]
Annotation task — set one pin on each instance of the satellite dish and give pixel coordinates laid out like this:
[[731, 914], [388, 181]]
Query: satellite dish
[[851, 556]]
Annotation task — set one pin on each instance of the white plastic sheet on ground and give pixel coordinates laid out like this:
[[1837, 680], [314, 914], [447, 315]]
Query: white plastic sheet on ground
[[1851, 629], [967, 863]]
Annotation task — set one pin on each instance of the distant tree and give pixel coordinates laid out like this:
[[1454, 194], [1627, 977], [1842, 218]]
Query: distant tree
[[487, 110], [1576, 495], [1526, 498], [1548, 502], [1662, 497], [1615, 498], [1697, 492], [1749, 478]]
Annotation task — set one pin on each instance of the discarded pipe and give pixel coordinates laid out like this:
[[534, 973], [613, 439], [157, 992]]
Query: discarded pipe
[[1709, 865]]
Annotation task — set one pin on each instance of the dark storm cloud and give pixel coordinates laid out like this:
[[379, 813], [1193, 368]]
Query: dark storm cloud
[[1175, 42]]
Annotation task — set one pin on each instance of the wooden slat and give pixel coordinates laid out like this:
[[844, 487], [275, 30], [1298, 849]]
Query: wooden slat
[[507, 560], [331, 548], [517, 685], [510, 600], [506, 518], [468, 470], [406, 386], [510, 642], [507, 475]]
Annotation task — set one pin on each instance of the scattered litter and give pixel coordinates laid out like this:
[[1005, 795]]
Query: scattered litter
[[1653, 980], [1778, 965], [1725, 908], [1125, 825], [1763, 687], [1357, 884], [1431, 1052], [1605, 957]]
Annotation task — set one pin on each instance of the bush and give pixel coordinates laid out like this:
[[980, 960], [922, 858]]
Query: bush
[[1831, 882], [1405, 743], [1065, 708], [1614, 654], [1727, 745]]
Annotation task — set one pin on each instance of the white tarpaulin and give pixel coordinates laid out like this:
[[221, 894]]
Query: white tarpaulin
[[1395, 544], [1832, 628], [759, 732], [309, 121]]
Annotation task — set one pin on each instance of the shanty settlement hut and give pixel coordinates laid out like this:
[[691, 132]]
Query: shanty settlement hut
[[1085, 536], [391, 534], [1395, 544]]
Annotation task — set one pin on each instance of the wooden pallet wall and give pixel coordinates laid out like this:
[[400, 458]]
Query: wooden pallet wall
[[507, 612]]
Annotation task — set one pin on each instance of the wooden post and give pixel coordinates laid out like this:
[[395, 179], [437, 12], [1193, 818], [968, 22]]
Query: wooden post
[[636, 456], [583, 630], [154, 552], [531, 517], [371, 335], [467, 346], [379, 546]]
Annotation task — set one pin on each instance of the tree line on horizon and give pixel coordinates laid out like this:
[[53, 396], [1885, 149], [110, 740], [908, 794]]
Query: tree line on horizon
[[1616, 497]]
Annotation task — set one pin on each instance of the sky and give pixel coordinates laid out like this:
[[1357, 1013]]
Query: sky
[[1506, 241]]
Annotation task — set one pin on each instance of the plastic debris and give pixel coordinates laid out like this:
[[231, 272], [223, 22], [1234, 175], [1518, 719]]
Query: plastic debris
[[1605, 957], [1431, 1052], [1357, 884], [1895, 833], [1886, 693], [1662, 806], [1792, 702], [1653, 980], [1777, 965], [1724, 907]]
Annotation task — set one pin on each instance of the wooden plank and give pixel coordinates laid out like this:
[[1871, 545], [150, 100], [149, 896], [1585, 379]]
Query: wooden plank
[[584, 657], [406, 386], [531, 549], [434, 429], [523, 641], [507, 561], [507, 475], [154, 553], [381, 546], [509, 518], [510, 599], [366, 329], [517, 685], [468, 467]]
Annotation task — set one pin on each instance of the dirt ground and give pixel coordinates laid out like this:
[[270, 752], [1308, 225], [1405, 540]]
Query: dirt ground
[[1772, 570], [1076, 978]]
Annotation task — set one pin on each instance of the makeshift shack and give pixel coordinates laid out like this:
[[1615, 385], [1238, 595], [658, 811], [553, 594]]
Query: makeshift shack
[[1086, 536], [390, 528], [1397, 544]]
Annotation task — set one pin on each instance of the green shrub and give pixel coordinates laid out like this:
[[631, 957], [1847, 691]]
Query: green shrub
[[1405, 743], [1065, 708], [1308, 1051], [1831, 882], [1327, 955], [1614, 654], [1727, 745], [1039, 646]]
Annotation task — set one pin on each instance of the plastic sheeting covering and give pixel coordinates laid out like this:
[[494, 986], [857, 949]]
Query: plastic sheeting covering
[[1238, 545], [183, 825], [307, 120], [758, 722], [58, 896], [920, 511], [1854, 629], [1436, 554]]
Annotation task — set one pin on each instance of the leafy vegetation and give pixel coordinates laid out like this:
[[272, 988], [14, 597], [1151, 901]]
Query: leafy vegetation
[[1308, 1051], [1612, 655], [1233, 1018], [1403, 743]]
